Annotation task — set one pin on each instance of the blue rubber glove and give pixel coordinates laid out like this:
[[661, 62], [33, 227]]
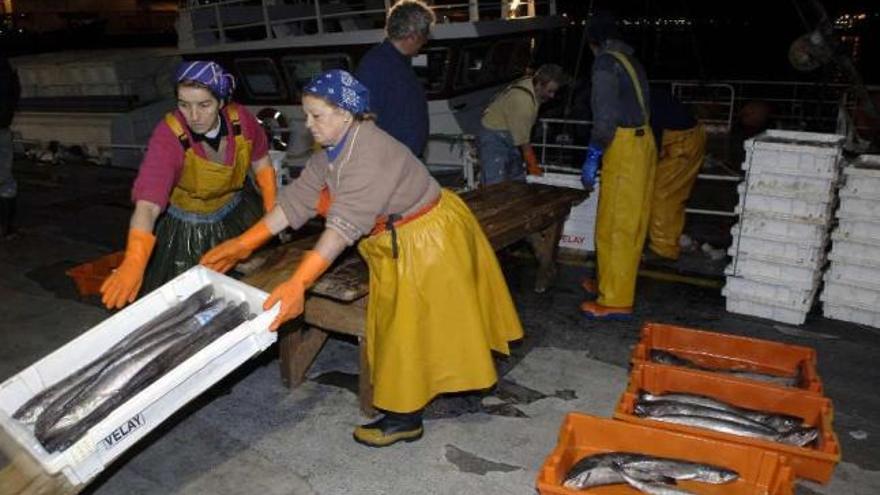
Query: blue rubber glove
[[591, 166]]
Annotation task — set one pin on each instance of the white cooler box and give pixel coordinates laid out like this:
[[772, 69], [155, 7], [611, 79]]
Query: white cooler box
[[132, 420], [580, 228]]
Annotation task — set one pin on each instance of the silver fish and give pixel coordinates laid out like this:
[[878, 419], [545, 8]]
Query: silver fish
[[208, 329], [649, 467], [605, 469], [33, 408], [67, 411], [650, 487], [778, 422], [669, 358], [666, 408], [799, 436]]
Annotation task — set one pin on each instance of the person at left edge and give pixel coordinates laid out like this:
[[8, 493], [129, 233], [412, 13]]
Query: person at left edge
[[438, 305], [195, 170]]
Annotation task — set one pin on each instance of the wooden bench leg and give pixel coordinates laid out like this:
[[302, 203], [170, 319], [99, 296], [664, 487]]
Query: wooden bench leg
[[297, 350], [544, 243], [365, 385]]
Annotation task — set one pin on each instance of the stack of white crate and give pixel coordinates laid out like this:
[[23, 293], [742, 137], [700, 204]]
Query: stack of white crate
[[852, 282], [785, 208]]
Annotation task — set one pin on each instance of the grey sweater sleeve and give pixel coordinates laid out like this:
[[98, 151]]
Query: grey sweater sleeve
[[605, 100]]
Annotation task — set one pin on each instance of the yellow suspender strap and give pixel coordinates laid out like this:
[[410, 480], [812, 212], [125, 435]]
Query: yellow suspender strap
[[177, 129], [635, 80]]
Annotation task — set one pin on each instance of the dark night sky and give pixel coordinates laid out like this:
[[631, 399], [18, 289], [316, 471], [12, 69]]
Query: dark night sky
[[738, 39]]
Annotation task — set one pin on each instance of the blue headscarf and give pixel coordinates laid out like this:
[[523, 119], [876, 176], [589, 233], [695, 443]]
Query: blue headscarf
[[342, 89], [220, 82]]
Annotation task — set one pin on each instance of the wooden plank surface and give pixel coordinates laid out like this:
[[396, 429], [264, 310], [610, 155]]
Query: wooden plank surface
[[507, 212]]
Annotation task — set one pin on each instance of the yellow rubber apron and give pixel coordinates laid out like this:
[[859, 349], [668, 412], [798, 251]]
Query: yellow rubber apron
[[436, 310], [624, 205], [681, 156], [206, 186]]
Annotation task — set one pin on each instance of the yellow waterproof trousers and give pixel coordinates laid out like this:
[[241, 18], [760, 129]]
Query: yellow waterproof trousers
[[624, 207], [437, 311], [681, 156]]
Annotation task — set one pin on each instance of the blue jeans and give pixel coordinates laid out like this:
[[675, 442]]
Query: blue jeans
[[8, 187], [500, 159]]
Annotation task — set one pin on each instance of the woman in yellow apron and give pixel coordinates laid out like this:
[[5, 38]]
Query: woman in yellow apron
[[195, 170], [438, 303]]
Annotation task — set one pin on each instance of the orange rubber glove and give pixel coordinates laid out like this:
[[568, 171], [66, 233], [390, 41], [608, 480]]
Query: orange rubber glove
[[292, 293], [122, 286], [532, 162], [268, 187], [224, 256]]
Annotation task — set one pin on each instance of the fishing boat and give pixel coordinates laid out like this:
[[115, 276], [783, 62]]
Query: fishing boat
[[273, 48]]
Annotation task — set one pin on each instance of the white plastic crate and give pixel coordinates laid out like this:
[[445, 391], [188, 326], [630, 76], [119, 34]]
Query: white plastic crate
[[774, 273], [814, 209], [579, 230], [792, 186], [795, 253], [779, 229], [853, 315], [794, 153], [857, 297], [840, 271], [853, 207], [859, 230], [855, 253], [133, 419], [863, 177], [765, 310], [776, 294]]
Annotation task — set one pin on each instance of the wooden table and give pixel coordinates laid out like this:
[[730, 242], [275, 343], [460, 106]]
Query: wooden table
[[508, 212]]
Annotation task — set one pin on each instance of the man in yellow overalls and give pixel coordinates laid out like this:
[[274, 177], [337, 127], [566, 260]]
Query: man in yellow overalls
[[195, 169], [622, 143], [681, 141]]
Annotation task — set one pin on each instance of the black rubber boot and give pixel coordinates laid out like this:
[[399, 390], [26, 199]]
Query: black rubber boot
[[7, 213], [390, 429]]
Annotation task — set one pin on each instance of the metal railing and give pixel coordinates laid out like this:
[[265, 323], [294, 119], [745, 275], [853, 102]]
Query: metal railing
[[569, 150], [209, 22]]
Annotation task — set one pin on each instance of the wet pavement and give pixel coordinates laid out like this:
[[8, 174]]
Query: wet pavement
[[249, 434]]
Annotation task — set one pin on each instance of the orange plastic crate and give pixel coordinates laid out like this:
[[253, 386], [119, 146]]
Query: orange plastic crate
[[760, 471], [815, 463], [89, 276], [719, 350]]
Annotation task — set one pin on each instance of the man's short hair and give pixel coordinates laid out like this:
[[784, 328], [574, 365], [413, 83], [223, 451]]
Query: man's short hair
[[550, 72], [409, 17]]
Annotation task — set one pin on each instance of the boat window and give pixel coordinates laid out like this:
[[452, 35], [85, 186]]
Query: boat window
[[299, 70], [431, 67], [493, 62], [260, 79], [471, 65]]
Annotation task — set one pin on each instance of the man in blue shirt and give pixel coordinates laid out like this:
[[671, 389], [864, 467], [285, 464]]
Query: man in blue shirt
[[396, 94]]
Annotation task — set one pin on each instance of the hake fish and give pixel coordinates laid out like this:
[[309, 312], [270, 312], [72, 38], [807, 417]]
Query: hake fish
[[33, 408], [609, 468], [651, 487], [103, 392], [778, 422], [180, 350], [800, 437], [666, 408], [665, 357]]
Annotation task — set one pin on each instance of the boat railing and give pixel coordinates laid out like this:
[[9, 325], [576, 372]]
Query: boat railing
[[204, 23], [563, 153]]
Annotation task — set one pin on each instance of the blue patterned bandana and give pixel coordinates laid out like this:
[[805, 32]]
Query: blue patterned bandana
[[220, 82], [342, 89]]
